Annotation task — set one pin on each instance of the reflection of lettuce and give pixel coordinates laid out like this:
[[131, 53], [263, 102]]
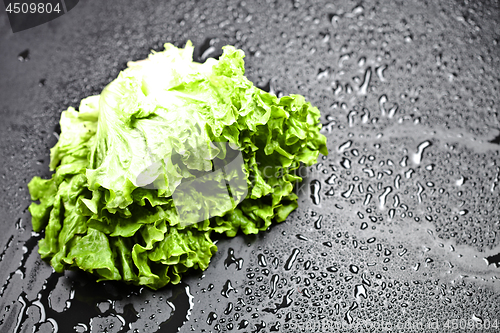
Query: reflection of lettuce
[[158, 120]]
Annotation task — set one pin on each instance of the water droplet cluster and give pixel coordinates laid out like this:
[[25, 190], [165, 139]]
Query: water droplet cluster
[[393, 225]]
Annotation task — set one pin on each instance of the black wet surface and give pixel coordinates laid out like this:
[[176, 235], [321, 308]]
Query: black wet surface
[[398, 226]]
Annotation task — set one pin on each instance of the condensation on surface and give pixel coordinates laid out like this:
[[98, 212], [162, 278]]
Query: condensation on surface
[[398, 225]]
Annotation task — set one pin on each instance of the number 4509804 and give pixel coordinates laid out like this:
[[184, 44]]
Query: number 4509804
[[454, 324], [24, 7]]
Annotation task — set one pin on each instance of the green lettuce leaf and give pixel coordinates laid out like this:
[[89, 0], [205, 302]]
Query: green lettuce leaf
[[170, 152]]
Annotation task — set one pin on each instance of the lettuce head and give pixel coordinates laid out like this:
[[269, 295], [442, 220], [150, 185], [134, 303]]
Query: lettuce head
[[169, 153]]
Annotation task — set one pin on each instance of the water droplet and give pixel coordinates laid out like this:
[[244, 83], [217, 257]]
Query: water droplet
[[227, 288], [380, 72], [322, 73], [274, 282], [345, 163], [301, 237], [343, 58], [363, 88], [369, 172], [397, 180], [392, 111], [261, 260], [360, 290], [243, 324], [358, 10], [334, 19], [231, 259], [332, 269], [259, 327], [275, 327], [347, 317], [493, 260], [344, 146], [315, 187], [419, 192], [317, 223], [275, 263], [361, 61], [286, 302], [210, 49], [228, 308], [291, 259], [80, 328], [24, 56], [403, 161], [19, 225], [349, 191], [306, 292], [331, 180], [381, 101], [367, 199], [460, 181], [330, 192], [212, 316], [477, 319], [417, 157]]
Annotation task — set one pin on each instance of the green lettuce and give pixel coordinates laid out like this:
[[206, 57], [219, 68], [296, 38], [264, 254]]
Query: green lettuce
[[122, 200]]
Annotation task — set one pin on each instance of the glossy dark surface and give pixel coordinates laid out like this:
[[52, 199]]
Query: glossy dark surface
[[399, 225]]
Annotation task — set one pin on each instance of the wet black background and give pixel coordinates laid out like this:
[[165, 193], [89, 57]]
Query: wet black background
[[396, 238]]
